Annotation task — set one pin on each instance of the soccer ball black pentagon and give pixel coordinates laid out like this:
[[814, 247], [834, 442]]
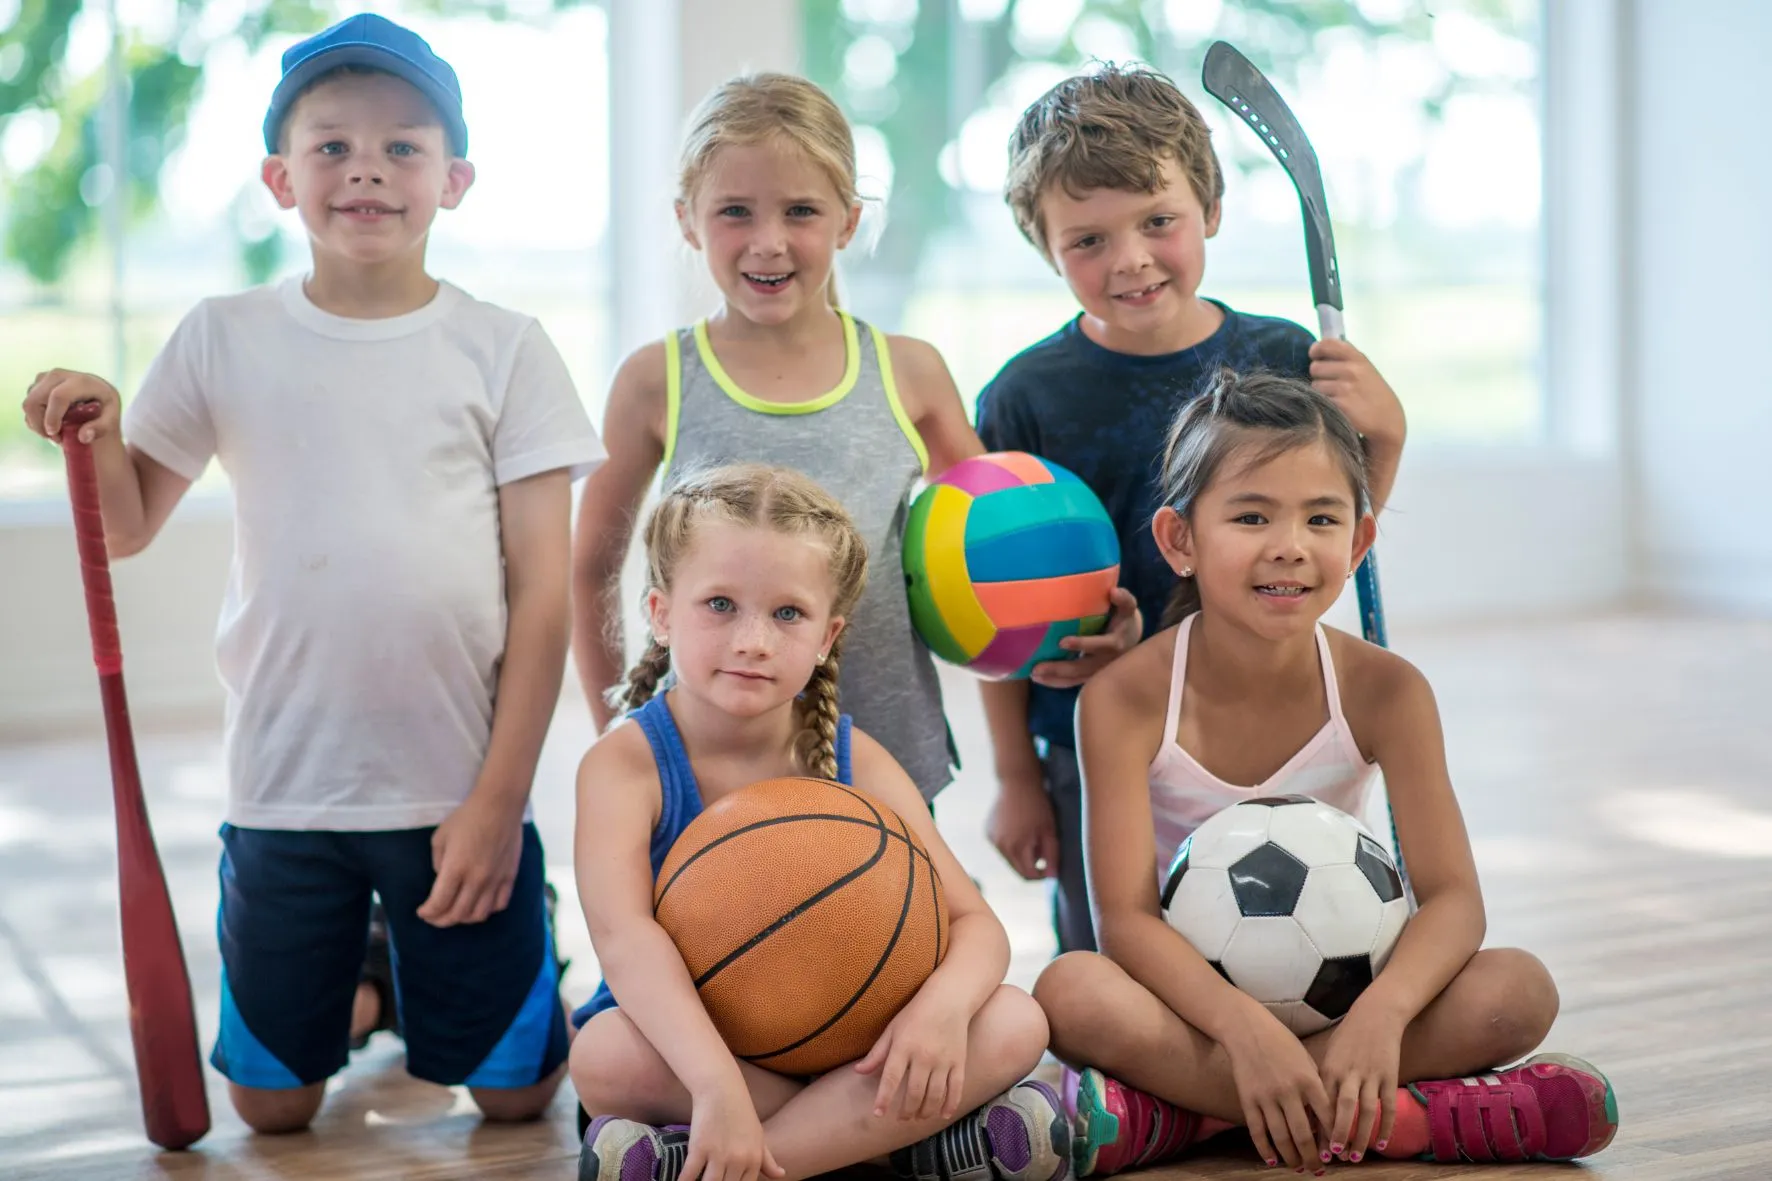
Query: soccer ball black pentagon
[[1293, 901]]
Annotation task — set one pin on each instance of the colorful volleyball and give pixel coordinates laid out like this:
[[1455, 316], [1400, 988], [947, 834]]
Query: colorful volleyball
[[1005, 555]]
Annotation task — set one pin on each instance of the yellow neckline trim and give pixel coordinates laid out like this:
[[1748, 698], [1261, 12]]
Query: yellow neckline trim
[[673, 396], [851, 370], [883, 354]]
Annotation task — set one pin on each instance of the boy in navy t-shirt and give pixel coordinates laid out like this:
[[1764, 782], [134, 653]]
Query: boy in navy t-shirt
[[1113, 179]]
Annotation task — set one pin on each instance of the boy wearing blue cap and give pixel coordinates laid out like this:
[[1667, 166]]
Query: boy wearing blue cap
[[394, 630]]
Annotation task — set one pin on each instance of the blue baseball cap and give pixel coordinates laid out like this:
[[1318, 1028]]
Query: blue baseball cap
[[378, 43]]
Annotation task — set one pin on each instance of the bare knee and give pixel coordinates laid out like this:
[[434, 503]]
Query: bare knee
[[1068, 991], [616, 1071], [1519, 1001], [517, 1104], [1008, 1034], [279, 1111]]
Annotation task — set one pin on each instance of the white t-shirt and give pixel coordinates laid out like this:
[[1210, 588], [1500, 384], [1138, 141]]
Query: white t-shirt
[[364, 619]]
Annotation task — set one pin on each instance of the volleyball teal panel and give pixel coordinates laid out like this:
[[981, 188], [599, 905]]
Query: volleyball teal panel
[[1016, 509], [1045, 549], [1049, 649], [1060, 473]]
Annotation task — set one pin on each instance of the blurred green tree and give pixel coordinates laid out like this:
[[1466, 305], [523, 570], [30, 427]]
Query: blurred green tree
[[949, 54], [52, 206]]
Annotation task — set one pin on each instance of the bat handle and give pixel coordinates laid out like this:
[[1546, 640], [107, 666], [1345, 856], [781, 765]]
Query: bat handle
[[89, 536], [1329, 322]]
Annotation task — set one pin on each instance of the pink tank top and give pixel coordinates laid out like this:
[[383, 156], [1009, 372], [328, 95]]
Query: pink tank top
[[1184, 794]]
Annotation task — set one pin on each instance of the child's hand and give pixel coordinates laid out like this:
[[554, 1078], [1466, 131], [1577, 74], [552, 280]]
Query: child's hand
[[1281, 1093], [1125, 627], [726, 1140], [475, 851], [1022, 827], [923, 1055], [49, 397], [1360, 1073], [1342, 372]]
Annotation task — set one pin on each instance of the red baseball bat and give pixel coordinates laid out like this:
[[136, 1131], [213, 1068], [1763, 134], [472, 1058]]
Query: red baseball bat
[[162, 1021]]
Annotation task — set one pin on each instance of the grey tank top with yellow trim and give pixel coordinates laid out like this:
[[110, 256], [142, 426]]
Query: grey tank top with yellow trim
[[858, 442]]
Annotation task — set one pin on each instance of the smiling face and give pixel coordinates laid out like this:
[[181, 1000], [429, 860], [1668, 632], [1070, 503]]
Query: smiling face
[[747, 615], [366, 162], [1134, 260], [769, 222], [1272, 539]]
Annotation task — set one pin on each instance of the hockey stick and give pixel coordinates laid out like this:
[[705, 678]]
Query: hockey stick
[[162, 1024], [1234, 81]]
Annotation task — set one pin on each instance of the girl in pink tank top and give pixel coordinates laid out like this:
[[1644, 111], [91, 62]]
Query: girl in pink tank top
[[1246, 694]]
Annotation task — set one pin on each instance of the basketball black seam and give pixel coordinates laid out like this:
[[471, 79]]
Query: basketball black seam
[[796, 911], [877, 825], [904, 914], [935, 902]]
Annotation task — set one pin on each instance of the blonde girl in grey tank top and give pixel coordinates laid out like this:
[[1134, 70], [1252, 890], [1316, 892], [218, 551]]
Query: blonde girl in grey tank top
[[858, 442]]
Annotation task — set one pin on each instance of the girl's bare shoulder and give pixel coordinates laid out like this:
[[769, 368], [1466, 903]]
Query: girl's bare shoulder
[[1137, 682], [619, 760], [1375, 684]]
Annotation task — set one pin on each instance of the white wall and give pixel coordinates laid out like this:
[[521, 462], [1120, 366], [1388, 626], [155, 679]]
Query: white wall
[[167, 599], [1701, 242]]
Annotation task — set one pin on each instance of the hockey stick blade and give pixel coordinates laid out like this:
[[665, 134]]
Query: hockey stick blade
[[1234, 81]]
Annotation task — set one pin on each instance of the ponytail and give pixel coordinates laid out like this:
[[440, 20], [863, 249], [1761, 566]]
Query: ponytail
[[643, 678], [816, 744]]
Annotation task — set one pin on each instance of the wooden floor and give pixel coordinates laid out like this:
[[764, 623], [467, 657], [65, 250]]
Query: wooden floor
[[1616, 774]]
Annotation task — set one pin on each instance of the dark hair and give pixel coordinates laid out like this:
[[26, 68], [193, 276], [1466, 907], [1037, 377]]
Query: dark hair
[[1284, 413]]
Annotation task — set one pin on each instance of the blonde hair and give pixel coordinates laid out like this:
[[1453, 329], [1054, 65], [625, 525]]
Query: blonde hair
[[766, 497], [1113, 128], [754, 109]]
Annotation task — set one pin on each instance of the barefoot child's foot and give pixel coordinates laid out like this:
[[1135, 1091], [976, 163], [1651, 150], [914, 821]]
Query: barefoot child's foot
[[1549, 1108], [1021, 1135], [1120, 1127]]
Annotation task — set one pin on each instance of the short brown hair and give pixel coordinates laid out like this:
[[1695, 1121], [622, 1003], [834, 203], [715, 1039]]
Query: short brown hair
[[1112, 128]]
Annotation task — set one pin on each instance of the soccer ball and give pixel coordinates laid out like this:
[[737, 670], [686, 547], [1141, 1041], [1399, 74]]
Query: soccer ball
[[1293, 901]]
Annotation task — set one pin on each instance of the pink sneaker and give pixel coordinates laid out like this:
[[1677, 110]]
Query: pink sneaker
[[1549, 1108], [1120, 1127]]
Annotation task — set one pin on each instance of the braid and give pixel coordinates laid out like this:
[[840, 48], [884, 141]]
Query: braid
[[643, 678], [816, 744]]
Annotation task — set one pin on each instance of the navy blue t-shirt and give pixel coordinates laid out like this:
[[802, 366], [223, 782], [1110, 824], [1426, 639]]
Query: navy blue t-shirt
[[1104, 415]]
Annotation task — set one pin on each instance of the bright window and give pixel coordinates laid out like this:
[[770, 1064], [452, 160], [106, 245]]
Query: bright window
[[529, 235], [1424, 117]]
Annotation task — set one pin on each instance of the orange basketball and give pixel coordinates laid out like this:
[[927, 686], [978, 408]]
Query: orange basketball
[[808, 913]]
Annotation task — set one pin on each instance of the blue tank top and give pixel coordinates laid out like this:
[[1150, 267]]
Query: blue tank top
[[681, 803]]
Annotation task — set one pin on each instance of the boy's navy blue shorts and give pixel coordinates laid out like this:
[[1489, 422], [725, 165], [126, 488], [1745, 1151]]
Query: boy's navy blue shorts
[[478, 1004]]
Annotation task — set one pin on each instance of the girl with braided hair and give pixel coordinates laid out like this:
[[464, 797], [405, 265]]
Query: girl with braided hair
[[751, 573]]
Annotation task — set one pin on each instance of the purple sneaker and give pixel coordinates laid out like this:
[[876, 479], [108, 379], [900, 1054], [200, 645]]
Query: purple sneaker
[[1021, 1135], [624, 1150]]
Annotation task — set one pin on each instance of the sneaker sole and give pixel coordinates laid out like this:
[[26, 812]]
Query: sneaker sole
[[1606, 1109], [1096, 1127]]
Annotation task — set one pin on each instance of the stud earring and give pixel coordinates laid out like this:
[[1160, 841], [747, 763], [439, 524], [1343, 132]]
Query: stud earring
[[821, 657], [1187, 571]]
